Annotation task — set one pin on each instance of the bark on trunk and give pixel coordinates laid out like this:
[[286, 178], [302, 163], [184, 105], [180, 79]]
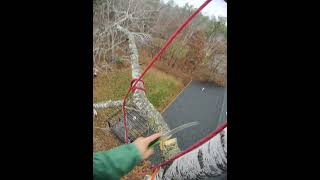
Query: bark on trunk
[[208, 160]]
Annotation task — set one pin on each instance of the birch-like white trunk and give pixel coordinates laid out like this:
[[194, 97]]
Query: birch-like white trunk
[[208, 160]]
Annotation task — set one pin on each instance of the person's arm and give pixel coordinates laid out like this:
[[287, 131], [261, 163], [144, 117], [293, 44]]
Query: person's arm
[[119, 161], [116, 162]]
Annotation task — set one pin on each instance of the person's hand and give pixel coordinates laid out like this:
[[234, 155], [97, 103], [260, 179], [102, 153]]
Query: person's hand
[[142, 145]]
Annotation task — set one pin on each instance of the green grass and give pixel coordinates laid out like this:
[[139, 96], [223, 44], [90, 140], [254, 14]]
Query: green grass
[[161, 88], [111, 85]]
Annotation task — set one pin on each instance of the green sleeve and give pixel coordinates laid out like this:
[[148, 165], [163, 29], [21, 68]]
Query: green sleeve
[[112, 164]]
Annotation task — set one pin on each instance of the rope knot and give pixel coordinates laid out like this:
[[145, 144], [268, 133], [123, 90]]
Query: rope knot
[[133, 89]]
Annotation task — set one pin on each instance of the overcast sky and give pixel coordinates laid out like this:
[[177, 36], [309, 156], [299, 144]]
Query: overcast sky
[[215, 7]]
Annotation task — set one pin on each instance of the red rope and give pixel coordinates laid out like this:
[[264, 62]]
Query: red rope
[[133, 88], [135, 79], [156, 168], [172, 37], [194, 146]]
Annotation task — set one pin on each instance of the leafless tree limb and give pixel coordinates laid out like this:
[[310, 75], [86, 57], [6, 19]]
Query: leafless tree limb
[[107, 104]]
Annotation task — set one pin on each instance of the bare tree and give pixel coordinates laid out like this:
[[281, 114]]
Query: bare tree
[[135, 15]]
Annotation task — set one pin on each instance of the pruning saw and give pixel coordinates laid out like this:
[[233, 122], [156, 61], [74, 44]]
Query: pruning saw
[[167, 135]]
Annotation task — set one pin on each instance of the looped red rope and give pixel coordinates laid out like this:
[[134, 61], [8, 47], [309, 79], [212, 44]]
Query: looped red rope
[[133, 88]]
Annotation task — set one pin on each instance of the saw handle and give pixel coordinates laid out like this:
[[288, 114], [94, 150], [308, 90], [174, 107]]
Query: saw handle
[[154, 143]]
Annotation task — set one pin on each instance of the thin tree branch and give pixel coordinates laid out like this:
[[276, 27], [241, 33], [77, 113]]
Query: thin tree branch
[[107, 104]]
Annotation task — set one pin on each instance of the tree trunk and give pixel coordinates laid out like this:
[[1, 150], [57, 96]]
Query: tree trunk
[[208, 160], [140, 99]]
